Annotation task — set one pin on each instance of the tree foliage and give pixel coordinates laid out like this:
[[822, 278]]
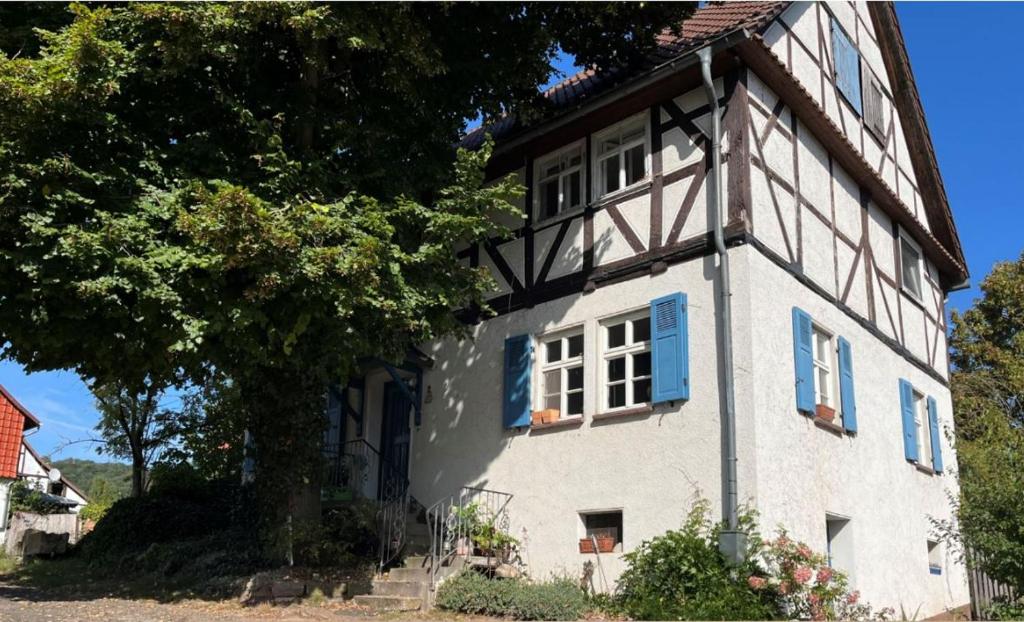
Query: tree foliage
[[988, 390], [268, 190]]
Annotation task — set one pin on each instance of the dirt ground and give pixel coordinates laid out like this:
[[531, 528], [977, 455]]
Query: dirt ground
[[33, 604]]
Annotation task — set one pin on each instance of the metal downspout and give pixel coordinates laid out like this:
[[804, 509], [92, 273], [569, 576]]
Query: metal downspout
[[732, 542]]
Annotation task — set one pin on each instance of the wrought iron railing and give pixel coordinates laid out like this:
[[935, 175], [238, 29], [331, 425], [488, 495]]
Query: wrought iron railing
[[356, 470], [474, 521]]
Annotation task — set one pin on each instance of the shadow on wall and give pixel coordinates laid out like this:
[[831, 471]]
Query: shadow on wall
[[462, 431]]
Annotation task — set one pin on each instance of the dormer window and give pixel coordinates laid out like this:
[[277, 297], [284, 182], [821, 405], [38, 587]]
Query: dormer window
[[911, 268], [621, 158], [560, 182]]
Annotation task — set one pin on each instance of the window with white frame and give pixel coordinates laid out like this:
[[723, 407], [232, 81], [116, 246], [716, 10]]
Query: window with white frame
[[626, 359], [621, 158], [561, 374], [824, 367], [911, 261], [559, 182], [923, 432]]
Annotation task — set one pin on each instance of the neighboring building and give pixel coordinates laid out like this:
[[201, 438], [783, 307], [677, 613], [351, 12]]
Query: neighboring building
[[19, 460], [842, 249], [40, 475]]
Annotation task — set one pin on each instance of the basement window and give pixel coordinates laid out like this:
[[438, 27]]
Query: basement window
[[839, 544], [934, 558], [605, 527]]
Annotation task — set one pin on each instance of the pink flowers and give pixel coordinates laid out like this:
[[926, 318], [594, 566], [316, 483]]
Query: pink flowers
[[803, 574], [824, 575], [853, 597], [804, 551], [784, 587], [756, 582]]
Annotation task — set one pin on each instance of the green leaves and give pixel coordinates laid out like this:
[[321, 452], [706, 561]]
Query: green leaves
[[987, 351]]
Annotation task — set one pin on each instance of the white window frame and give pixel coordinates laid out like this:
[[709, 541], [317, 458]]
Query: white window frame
[[909, 241], [562, 366], [538, 178], [629, 350], [922, 429], [830, 365], [597, 171]]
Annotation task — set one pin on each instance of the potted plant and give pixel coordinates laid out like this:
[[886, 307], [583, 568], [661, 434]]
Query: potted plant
[[825, 413]]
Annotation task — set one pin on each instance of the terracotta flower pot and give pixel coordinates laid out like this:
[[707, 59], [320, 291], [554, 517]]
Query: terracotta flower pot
[[548, 415], [605, 544], [825, 413]]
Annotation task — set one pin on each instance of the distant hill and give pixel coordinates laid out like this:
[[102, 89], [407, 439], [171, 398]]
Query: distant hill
[[87, 475]]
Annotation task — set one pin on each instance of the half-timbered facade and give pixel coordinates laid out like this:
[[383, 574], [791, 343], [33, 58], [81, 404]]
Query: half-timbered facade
[[595, 394]]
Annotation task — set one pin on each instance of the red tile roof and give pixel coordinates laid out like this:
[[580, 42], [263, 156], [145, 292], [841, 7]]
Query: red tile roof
[[12, 424], [709, 22], [706, 23]]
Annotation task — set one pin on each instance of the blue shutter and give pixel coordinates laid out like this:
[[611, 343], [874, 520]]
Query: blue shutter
[[909, 429], [670, 351], [849, 404], [518, 358], [847, 67], [803, 361], [933, 424]]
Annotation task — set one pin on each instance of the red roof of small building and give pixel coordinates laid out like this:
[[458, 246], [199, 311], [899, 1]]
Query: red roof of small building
[[14, 420]]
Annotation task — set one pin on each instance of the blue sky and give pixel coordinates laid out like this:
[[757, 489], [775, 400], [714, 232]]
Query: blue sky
[[963, 55]]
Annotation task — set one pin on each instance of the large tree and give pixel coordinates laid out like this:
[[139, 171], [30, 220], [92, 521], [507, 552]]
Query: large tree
[[267, 189], [988, 392]]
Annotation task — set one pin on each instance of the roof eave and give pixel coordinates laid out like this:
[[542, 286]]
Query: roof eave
[[915, 125]]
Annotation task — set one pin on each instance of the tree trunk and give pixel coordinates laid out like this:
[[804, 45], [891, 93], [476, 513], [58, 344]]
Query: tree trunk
[[138, 474], [287, 423]]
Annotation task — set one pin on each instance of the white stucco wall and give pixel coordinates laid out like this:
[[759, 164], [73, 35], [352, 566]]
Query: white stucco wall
[[650, 466], [804, 471]]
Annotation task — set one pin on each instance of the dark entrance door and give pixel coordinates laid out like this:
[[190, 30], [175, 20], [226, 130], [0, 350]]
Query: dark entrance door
[[394, 440]]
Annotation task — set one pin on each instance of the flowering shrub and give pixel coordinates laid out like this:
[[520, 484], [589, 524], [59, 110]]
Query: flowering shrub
[[804, 586], [681, 575]]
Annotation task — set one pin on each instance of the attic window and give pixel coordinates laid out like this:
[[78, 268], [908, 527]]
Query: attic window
[[874, 111], [846, 67], [910, 266]]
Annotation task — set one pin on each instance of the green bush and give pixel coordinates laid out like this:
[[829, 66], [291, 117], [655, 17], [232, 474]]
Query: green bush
[[1004, 609], [681, 575], [203, 529], [473, 593], [346, 536]]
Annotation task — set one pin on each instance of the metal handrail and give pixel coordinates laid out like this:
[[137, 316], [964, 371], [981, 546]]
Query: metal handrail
[[350, 466], [450, 533]]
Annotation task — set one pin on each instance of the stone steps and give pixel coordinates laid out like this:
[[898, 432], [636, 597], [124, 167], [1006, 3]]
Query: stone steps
[[378, 602]]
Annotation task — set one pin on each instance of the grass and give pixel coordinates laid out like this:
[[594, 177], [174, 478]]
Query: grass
[[8, 564], [76, 579]]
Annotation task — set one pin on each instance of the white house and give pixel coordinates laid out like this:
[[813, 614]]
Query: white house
[[617, 382]]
